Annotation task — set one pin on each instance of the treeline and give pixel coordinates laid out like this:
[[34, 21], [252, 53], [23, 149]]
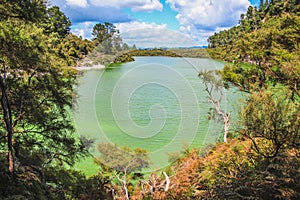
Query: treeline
[[274, 23], [267, 39], [152, 52], [127, 56], [190, 52]]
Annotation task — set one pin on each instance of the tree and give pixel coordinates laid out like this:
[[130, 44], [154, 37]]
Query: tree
[[99, 33], [272, 121], [213, 83], [36, 91], [266, 57], [7, 116], [125, 46], [57, 22], [122, 163], [73, 49], [117, 42], [28, 10], [102, 32], [267, 3], [262, 5]]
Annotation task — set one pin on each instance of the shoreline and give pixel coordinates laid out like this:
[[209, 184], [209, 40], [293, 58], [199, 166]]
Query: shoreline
[[99, 66]]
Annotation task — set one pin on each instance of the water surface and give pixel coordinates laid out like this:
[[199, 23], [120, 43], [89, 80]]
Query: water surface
[[155, 103]]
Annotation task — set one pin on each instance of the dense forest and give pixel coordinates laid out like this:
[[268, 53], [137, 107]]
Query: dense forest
[[38, 147], [37, 143]]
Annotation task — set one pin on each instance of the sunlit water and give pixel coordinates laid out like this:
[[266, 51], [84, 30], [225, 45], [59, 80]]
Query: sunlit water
[[155, 103]]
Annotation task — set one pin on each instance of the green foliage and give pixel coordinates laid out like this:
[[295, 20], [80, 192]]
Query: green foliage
[[107, 36], [271, 49], [127, 56], [107, 46], [70, 184], [190, 52], [36, 98], [67, 46], [250, 22], [244, 76], [37, 95], [102, 32], [152, 52], [27, 10], [124, 58], [73, 49], [39, 91], [57, 22], [122, 159], [99, 56], [51, 183], [272, 121], [123, 166]]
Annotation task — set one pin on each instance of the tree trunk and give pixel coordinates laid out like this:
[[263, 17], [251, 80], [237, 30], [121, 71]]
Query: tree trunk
[[167, 181], [124, 183], [8, 122], [226, 126], [216, 102]]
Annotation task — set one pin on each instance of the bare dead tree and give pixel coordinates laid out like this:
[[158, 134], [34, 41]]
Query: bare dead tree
[[167, 181], [123, 180], [214, 88], [124, 163], [155, 183]]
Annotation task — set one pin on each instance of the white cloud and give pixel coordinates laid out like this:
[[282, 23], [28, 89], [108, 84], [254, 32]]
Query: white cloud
[[83, 29], [77, 3], [134, 5], [201, 18], [209, 13], [135, 25], [152, 35], [197, 19]]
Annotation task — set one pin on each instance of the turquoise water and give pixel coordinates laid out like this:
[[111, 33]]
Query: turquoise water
[[155, 103]]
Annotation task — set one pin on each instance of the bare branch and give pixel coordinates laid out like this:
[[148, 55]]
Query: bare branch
[[213, 84], [167, 181]]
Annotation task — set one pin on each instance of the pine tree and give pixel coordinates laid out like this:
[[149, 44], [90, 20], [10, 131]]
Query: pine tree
[[261, 5]]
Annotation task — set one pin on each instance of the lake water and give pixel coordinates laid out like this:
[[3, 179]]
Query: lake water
[[155, 103]]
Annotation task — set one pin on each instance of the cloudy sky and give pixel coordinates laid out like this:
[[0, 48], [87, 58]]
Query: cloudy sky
[[156, 23]]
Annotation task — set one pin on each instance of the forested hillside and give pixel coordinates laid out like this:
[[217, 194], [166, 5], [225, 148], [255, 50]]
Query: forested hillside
[[267, 38]]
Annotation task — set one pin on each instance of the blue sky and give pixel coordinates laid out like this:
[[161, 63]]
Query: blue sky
[[156, 23]]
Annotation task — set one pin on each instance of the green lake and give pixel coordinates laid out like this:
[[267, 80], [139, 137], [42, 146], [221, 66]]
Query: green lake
[[155, 103]]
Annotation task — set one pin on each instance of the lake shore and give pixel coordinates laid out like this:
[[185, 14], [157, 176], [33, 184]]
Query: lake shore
[[81, 68]]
